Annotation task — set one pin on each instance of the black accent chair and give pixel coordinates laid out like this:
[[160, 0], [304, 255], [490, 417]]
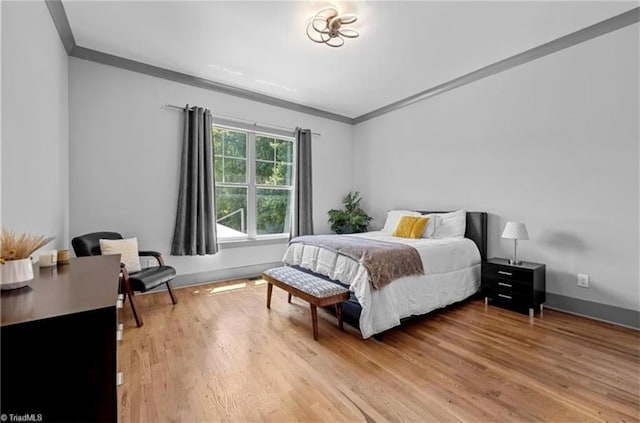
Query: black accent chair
[[142, 281]]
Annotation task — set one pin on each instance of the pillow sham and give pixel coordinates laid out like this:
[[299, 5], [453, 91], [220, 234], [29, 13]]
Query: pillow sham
[[430, 230], [411, 227], [128, 250], [393, 218], [451, 225]]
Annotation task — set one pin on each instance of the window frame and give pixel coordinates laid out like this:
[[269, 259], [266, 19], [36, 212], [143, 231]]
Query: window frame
[[253, 131]]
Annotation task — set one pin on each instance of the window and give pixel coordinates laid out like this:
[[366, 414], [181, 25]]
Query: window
[[254, 177]]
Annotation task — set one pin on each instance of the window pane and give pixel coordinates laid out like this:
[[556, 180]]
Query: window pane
[[218, 168], [273, 174], [231, 211], [265, 148], [235, 170], [284, 151], [217, 141], [264, 172], [235, 144], [273, 210], [284, 174]]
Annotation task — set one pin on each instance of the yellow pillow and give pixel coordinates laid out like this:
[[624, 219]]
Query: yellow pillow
[[418, 227], [411, 226]]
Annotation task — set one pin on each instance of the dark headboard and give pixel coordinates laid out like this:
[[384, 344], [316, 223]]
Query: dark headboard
[[476, 230]]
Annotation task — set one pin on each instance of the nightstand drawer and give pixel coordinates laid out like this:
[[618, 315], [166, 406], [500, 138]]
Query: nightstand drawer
[[508, 297], [513, 287], [508, 286], [493, 271]]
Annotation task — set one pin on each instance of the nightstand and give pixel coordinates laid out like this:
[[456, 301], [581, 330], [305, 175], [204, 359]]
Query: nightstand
[[514, 286]]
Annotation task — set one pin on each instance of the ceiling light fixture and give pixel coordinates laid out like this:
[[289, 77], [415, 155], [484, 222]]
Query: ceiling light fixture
[[326, 27]]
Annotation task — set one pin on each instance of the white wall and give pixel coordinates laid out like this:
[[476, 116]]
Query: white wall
[[35, 124], [553, 143], [124, 159]]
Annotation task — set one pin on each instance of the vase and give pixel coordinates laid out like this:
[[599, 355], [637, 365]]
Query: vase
[[15, 273]]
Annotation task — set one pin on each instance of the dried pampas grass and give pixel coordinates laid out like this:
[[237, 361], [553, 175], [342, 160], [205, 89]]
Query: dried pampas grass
[[17, 247]]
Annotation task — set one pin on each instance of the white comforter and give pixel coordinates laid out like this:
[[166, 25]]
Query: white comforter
[[452, 273]]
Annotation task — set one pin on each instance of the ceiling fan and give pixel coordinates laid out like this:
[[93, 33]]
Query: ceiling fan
[[326, 27]]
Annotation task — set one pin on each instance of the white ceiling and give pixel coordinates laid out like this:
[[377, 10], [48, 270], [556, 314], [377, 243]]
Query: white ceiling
[[404, 47]]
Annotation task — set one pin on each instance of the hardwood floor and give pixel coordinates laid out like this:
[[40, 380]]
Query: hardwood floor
[[220, 355]]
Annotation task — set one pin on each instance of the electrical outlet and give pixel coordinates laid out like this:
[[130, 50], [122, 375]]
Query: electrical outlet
[[583, 280]]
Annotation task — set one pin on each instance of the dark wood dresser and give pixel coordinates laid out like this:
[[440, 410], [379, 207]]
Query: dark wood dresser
[[514, 286], [58, 344]]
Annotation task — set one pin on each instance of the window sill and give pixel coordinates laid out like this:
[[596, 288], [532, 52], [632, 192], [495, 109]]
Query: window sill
[[247, 242]]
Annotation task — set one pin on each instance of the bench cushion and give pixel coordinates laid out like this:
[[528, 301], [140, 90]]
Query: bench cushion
[[305, 282]]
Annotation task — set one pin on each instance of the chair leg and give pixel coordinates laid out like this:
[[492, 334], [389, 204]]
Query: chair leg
[[131, 295], [171, 293], [289, 299]]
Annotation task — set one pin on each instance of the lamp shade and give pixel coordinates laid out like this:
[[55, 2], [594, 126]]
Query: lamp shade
[[515, 230]]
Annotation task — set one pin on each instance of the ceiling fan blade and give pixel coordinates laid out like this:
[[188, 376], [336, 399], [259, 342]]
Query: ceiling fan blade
[[337, 41], [349, 33], [322, 29], [348, 18], [332, 12], [309, 34]]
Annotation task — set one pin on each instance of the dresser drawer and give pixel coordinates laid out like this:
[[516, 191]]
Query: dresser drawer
[[493, 271], [508, 286]]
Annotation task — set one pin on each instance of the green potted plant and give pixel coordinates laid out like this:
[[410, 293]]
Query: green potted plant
[[351, 219]]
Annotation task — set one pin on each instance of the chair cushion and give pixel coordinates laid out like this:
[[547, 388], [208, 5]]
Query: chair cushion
[[151, 277]]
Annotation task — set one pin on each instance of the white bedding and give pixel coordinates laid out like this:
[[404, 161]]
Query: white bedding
[[452, 273]]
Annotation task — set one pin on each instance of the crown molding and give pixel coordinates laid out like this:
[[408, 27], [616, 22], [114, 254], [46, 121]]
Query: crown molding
[[170, 75], [601, 28], [59, 17], [61, 22]]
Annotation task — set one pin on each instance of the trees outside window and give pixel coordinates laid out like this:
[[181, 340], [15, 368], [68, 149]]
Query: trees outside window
[[254, 178]]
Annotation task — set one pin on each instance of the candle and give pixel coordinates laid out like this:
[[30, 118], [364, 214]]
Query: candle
[[48, 258]]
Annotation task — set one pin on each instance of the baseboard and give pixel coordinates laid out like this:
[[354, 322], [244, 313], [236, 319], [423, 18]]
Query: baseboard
[[243, 272], [597, 311]]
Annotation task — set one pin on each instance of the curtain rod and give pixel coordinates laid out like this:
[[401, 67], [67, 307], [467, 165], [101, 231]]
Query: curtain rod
[[265, 125]]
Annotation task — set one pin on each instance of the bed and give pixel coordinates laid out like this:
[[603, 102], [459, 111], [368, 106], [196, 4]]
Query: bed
[[451, 275]]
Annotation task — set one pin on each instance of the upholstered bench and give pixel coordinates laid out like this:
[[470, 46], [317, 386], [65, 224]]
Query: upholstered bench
[[316, 291]]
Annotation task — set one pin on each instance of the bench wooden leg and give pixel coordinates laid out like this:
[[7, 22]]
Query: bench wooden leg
[[314, 321], [339, 315], [269, 291], [289, 299]]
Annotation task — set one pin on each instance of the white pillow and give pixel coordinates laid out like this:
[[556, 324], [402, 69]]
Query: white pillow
[[451, 225], [128, 250], [432, 226], [393, 217]]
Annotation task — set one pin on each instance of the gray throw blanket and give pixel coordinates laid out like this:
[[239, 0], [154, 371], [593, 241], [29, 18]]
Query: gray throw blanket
[[384, 261]]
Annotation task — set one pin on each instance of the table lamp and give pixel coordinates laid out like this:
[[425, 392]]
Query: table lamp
[[515, 231]]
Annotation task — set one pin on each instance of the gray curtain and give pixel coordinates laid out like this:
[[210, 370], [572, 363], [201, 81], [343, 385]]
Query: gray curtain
[[195, 230], [302, 219]]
